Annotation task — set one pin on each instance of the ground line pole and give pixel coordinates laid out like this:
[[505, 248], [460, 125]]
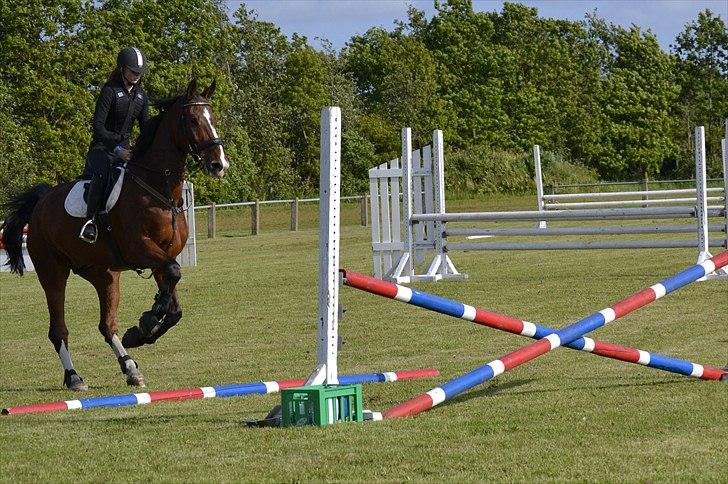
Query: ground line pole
[[294, 215], [230, 390], [211, 222]]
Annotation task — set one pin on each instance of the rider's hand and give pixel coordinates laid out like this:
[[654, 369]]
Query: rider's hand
[[125, 154]]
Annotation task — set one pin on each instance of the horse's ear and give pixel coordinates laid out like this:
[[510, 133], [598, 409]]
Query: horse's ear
[[191, 88], [207, 93]]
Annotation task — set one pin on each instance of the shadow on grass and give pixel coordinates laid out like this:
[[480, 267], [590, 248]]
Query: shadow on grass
[[496, 389], [100, 390], [489, 392], [673, 381], [110, 416], [47, 389]]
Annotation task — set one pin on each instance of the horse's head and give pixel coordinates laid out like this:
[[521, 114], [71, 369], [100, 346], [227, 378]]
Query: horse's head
[[200, 134]]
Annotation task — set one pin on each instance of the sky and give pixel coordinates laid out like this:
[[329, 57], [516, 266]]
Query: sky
[[339, 20]]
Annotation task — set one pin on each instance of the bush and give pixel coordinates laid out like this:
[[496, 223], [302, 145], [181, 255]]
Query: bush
[[558, 171], [481, 170]]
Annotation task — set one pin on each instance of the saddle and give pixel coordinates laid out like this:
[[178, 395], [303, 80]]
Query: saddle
[[76, 199]]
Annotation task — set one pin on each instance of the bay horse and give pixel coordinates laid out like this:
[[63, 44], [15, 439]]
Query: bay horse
[[149, 231]]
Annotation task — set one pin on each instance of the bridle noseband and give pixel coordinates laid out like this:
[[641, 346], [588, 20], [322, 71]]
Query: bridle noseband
[[196, 149]]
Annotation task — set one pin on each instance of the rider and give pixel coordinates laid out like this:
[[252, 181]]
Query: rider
[[121, 102]]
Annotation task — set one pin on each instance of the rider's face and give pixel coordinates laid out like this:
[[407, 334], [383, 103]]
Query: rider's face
[[131, 76]]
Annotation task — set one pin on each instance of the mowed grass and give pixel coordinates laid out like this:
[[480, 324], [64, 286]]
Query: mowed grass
[[250, 314]]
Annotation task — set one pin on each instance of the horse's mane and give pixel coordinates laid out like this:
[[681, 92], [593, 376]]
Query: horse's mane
[[146, 137]]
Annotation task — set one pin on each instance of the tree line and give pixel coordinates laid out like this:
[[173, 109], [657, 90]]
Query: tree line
[[603, 101]]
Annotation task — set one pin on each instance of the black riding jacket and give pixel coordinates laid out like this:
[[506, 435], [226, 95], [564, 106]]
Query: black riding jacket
[[111, 127]]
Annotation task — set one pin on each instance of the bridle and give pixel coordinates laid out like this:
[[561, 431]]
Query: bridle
[[196, 149]]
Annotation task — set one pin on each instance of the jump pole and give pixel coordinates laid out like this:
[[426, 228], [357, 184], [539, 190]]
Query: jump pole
[[516, 326], [561, 337], [234, 390]]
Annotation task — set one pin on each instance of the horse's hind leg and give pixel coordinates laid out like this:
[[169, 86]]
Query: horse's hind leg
[[53, 274], [106, 283]]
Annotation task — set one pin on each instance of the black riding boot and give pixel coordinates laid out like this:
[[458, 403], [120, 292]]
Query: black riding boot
[[96, 188]]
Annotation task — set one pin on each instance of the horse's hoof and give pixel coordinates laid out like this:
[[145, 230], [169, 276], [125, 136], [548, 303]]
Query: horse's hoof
[[136, 380], [133, 338], [77, 384]]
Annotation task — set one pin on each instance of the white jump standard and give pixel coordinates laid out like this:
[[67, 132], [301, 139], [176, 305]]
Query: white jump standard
[[401, 238]]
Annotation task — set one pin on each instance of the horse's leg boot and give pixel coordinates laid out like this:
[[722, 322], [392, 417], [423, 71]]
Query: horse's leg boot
[[149, 323], [149, 330]]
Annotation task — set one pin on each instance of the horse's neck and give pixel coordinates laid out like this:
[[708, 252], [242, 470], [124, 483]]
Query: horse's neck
[[165, 161]]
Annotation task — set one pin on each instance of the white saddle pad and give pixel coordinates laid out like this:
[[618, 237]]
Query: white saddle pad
[[75, 204]]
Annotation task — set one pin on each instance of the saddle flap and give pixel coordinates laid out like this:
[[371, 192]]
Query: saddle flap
[[75, 203]]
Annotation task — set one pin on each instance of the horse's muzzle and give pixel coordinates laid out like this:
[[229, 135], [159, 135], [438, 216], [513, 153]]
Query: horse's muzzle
[[217, 163], [216, 168]]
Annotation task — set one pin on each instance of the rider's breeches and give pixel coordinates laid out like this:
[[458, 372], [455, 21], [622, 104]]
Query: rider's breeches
[[97, 163]]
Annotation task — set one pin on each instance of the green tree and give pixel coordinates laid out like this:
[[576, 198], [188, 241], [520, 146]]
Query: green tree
[[702, 50], [17, 166], [639, 90], [38, 69], [467, 74], [257, 73], [315, 79], [395, 77]]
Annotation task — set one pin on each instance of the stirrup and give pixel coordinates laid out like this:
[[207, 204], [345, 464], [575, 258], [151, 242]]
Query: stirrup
[[92, 227]]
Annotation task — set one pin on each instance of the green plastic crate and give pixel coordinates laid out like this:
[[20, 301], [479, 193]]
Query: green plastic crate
[[321, 405]]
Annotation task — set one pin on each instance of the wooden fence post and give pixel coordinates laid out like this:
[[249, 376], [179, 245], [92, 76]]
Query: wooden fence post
[[364, 212], [255, 218], [211, 222], [294, 215]]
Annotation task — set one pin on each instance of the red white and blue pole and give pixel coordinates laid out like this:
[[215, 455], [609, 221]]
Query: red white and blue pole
[[563, 336], [234, 390], [525, 328]]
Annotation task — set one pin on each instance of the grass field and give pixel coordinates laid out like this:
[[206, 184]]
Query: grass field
[[250, 311]]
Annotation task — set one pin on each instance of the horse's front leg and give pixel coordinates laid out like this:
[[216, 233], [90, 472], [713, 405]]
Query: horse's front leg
[[106, 283], [171, 317], [165, 311]]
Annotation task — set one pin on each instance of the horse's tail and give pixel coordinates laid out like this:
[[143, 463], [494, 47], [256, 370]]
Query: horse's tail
[[21, 208]]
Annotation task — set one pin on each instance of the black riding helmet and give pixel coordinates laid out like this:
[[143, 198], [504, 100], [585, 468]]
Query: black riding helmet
[[133, 59]]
